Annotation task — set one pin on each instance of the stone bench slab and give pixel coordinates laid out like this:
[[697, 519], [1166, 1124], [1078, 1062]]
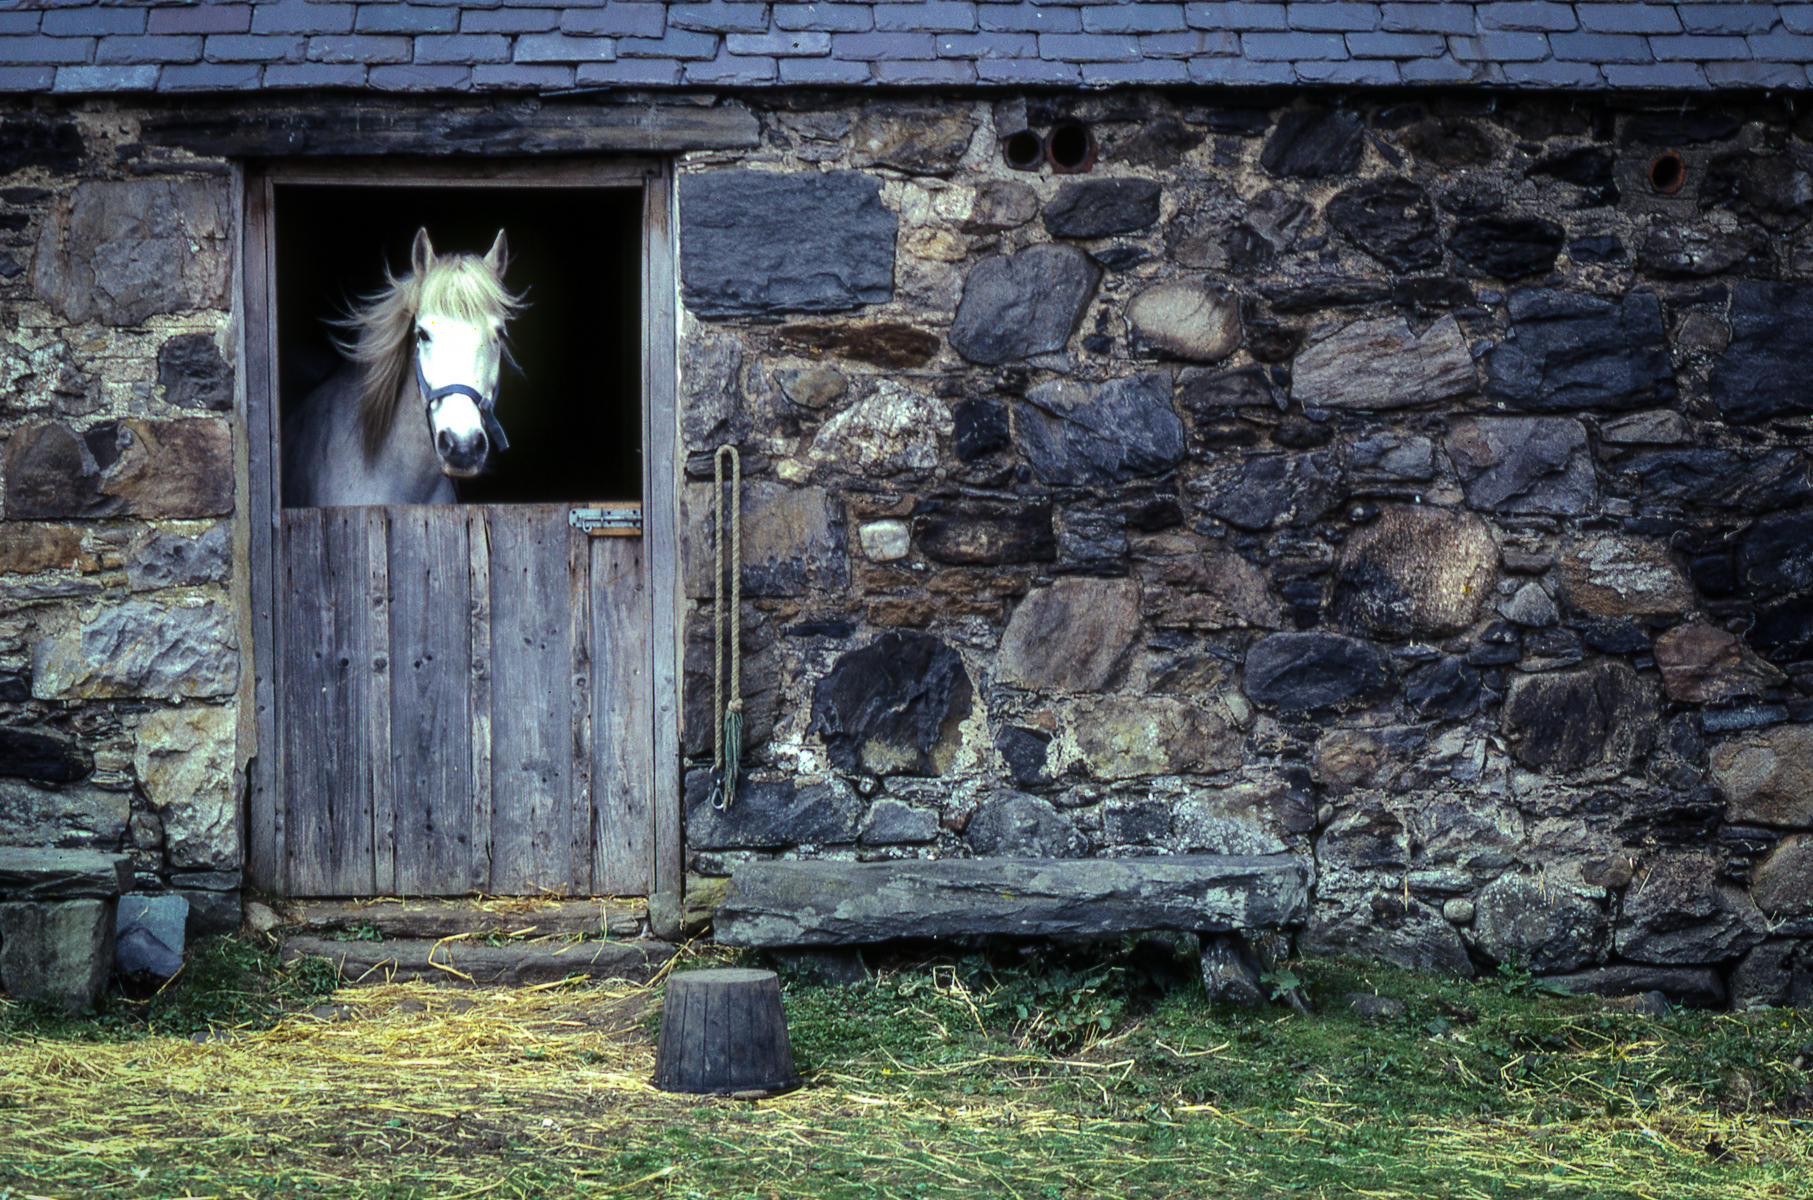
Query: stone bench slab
[[781, 904], [29, 873], [471, 963]]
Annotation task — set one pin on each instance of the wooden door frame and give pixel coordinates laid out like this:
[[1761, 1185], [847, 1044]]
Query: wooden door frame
[[256, 397]]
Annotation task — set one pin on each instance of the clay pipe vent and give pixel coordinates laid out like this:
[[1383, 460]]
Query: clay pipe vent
[[1667, 172], [1023, 151], [1070, 148]]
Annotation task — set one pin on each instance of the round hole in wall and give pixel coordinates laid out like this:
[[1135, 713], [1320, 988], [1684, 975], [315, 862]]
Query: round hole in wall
[[1070, 148], [1023, 151], [1667, 172]]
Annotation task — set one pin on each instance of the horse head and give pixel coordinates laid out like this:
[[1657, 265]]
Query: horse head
[[458, 348]]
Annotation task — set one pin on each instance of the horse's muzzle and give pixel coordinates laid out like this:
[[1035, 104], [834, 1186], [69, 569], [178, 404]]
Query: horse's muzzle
[[462, 456]]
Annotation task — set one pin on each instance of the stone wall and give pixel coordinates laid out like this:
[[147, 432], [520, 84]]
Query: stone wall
[[119, 643], [1418, 486]]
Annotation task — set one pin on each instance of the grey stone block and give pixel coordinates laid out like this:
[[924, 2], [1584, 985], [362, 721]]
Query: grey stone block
[[1654, 75], [930, 16], [562, 48], [1293, 47], [91, 19], [31, 874], [930, 72], [407, 18], [1527, 14], [1338, 16], [522, 76], [830, 904], [147, 50], [675, 43], [879, 46], [1699, 48], [464, 48], [719, 17], [60, 952], [759, 242], [1629, 16], [1727, 17], [1239, 16], [832, 18], [365, 48], [240, 47]]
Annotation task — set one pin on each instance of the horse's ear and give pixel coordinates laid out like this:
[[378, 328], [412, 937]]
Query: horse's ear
[[421, 254], [498, 255]]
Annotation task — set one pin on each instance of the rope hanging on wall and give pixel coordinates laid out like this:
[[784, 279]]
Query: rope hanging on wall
[[727, 645]]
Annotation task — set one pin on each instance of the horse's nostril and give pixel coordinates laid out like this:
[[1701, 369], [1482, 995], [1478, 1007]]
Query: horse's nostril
[[443, 442]]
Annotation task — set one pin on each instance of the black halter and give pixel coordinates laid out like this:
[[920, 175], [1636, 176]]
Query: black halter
[[486, 405]]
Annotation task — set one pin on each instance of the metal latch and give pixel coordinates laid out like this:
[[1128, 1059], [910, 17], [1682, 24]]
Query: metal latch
[[611, 520]]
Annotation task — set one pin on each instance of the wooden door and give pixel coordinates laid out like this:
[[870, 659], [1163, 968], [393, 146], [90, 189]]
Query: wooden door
[[466, 704]]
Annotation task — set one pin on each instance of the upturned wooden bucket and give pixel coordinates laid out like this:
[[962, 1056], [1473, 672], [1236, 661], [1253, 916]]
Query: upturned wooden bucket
[[724, 1033]]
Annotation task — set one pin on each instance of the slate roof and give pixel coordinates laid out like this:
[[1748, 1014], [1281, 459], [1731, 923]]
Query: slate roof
[[85, 46]]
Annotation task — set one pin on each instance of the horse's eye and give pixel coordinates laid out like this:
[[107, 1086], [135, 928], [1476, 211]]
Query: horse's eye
[[421, 336]]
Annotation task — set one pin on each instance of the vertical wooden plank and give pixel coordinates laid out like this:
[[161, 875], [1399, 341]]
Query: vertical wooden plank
[[660, 491], [579, 798], [429, 693], [255, 394], [531, 710], [478, 611], [306, 731], [374, 528], [624, 799], [347, 753]]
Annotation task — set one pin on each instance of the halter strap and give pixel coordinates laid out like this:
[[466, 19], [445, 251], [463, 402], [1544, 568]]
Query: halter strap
[[486, 405]]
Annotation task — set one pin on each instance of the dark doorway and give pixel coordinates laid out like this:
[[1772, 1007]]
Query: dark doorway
[[573, 410]]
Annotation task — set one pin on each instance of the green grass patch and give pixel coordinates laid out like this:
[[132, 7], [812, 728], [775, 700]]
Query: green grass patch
[[1028, 1076]]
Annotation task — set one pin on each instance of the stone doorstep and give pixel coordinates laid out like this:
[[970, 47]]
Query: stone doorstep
[[438, 918], [461, 962], [31, 873], [793, 904]]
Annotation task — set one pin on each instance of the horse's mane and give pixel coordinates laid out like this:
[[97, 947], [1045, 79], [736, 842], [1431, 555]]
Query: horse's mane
[[379, 334]]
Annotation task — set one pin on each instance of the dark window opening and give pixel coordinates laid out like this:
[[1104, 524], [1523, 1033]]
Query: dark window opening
[[573, 411]]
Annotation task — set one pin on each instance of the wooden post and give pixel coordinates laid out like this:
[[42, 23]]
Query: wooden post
[[723, 1032]]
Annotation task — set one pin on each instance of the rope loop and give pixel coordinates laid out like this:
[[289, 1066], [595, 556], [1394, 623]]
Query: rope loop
[[727, 645]]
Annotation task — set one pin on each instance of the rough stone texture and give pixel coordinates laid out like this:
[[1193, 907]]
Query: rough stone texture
[[1621, 577], [1096, 208], [1074, 636], [1015, 826], [1380, 364], [1415, 572], [1270, 490], [1380, 924], [759, 242], [1314, 143], [1391, 219], [27, 754], [61, 953], [1569, 352], [1587, 719], [1545, 929], [184, 761], [1675, 912], [1015, 306], [179, 468], [28, 549], [1188, 319], [1309, 672], [1508, 247], [1702, 664], [138, 648], [920, 141], [149, 938], [827, 903], [1075, 434], [1210, 591], [772, 813], [1132, 737], [894, 706], [1767, 775], [1782, 884], [38, 874], [69, 816], [896, 431], [193, 374], [1524, 465], [890, 823], [165, 558], [119, 251], [790, 543], [1761, 373], [1698, 987], [985, 532], [1778, 972]]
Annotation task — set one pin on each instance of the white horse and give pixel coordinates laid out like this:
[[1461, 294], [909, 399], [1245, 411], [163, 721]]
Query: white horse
[[344, 444]]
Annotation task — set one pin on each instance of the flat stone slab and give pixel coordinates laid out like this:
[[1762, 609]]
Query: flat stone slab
[[436, 919], [471, 963], [838, 904], [29, 873]]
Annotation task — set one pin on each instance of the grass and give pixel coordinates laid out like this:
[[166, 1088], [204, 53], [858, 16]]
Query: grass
[[1032, 1076]]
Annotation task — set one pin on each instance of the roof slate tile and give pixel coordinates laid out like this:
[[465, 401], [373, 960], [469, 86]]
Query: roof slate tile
[[563, 48], [1539, 15], [825, 72], [1133, 18], [1293, 47], [616, 20], [1337, 16], [1757, 74], [363, 48], [314, 75], [106, 79], [301, 16], [1727, 18], [830, 18], [519, 77], [148, 48], [210, 77], [804, 43], [1604, 48], [420, 77], [514, 20], [902, 72], [463, 48], [929, 16], [1036, 18], [45, 51], [84, 22], [629, 72], [1628, 16]]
